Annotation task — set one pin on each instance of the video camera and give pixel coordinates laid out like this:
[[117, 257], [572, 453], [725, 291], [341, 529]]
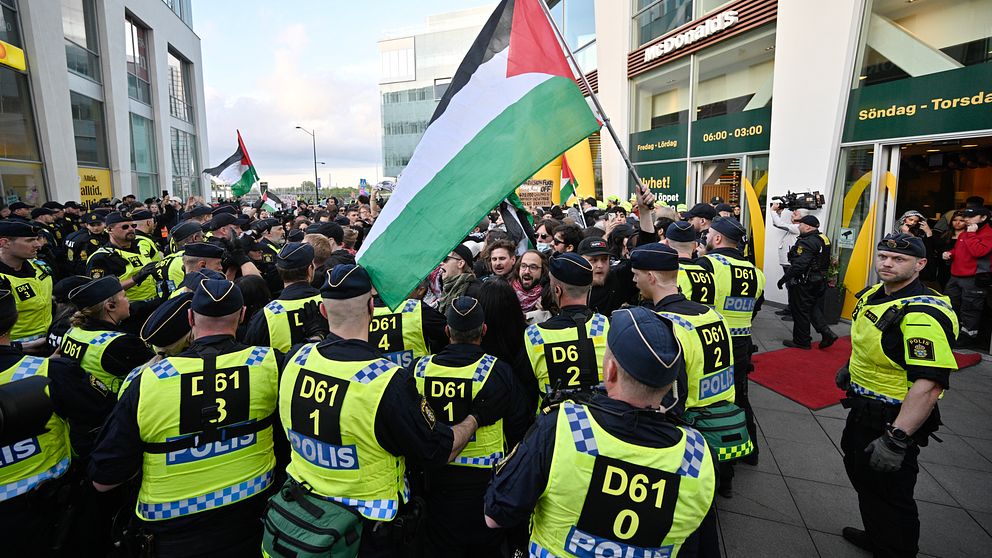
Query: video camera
[[797, 200], [24, 409]]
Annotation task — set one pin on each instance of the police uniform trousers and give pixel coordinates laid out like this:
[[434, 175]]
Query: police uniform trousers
[[456, 526], [742, 368], [888, 509], [968, 300], [27, 522], [806, 305]]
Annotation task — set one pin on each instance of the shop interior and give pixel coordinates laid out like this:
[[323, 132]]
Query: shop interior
[[938, 176]]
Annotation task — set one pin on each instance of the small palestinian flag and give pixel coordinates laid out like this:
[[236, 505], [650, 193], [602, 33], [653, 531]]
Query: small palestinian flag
[[271, 202], [236, 172], [569, 186], [512, 107]]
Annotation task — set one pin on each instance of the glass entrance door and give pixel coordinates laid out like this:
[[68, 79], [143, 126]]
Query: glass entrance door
[[740, 182]]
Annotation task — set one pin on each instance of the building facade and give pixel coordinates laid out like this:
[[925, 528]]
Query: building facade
[[107, 100]]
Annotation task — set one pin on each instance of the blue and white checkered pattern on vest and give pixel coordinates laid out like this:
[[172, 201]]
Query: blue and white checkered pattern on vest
[[275, 307], [28, 366], [534, 335], [582, 434], [739, 331], [24, 486], [256, 356], [679, 320], [217, 498], [410, 306], [105, 337], [538, 551], [164, 369], [421, 370], [382, 510], [373, 371], [695, 451], [482, 370], [926, 300], [865, 392], [598, 325], [486, 461], [303, 353]]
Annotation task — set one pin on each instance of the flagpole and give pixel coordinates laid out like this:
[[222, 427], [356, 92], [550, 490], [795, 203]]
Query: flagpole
[[595, 99]]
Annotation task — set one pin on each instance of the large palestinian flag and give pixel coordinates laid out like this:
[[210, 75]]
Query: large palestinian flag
[[236, 172], [511, 108]]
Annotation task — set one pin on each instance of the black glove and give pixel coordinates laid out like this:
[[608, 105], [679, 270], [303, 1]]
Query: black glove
[[782, 282], [484, 411], [237, 255], [314, 324], [144, 273], [843, 378], [886, 454]]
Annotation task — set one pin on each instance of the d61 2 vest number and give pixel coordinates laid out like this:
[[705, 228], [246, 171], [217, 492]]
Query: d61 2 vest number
[[571, 364], [743, 281], [716, 347], [703, 289]]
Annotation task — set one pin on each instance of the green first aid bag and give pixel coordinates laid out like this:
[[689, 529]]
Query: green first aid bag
[[724, 428], [300, 524]]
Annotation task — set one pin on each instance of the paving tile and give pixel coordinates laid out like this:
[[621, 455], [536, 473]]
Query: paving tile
[[791, 426], [749, 537], [951, 533], [834, 546], [981, 399], [834, 427], [817, 462], [825, 507], [982, 446], [954, 451], [766, 461], [763, 495], [833, 411], [929, 490], [977, 378], [965, 418], [970, 488], [983, 519], [764, 398]]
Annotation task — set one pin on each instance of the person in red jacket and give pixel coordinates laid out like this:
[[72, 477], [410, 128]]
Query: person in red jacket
[[970, 273]]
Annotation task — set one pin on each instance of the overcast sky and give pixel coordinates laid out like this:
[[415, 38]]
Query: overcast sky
[[271, 66]]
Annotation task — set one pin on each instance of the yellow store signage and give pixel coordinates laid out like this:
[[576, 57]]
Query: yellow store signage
[[94, 184], [12, 56]]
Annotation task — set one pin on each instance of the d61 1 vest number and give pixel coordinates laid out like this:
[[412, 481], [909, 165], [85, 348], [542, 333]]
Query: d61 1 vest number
[[629, 503], [214, 398], [571, 364], [451, 397], [386, 332], [316, 407]]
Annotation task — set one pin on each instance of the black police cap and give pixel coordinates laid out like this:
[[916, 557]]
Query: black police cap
[[8, 306], [203, 250], [680, 231], [14, 229], [903, 243], [295, 255], [654, 257], [184, 230], [54, 205], [61, 290], [728, 227], [141, 215], [92, 218], [724, 207], [192, 279], [704, 210], [810, 220], [169, 322], [115, 217], [465, 314], [645, 346], [72, 204], [217, 297], [295, 235], [39, 211], [221, 220], [571, 269], [593, 246], [225, 209], [330, 230], [95, 291], [346, 281], [198, 211], [20, 205]]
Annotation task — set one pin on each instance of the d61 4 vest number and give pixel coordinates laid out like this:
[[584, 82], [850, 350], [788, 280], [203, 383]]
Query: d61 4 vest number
[[386, 332]]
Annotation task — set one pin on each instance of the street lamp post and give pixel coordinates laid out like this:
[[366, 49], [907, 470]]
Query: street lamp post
[[313, 135]]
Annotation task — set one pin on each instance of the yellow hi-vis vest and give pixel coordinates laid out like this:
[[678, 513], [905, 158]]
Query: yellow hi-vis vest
[[328, 409], [135, 261], [696, 284], [399, 335], [284, 320], [33, 296], [450, 391], [206, 424], [169, 274], [607, 497], [564, 359], [27, 463], [738, 286], [87, 347], [873, 374], [709, 359], [147, 247]]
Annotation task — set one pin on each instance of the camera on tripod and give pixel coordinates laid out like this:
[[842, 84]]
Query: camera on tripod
[[799, 200]]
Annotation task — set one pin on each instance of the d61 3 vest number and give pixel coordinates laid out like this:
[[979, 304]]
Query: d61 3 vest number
[[214, 398]]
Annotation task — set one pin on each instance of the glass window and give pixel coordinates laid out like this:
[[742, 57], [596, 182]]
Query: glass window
[[661, 98], [136, 41], [142, 144], [655, 19], [82, 45], [706, 6], [903, 39], [23, 181], [586, 58], [180, 95], [440, 86], [853, 213], [181, 8], [9, 31], [736, 75], [580, 23], [397, 60], [557, 9], [18, 136], [88, 129], [185, 169]]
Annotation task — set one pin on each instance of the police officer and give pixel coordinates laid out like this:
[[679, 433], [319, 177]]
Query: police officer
[[199, 428], [809, 261], [170, 270], [84, 241], [31, 282], [224, 232], [271, 238], [373, 422], [123, 257], [42, 219], [695, 282], [167, 329], [295, 316], [610, 475], [411, 331], [144, 226], [566, 351], [740, 288], [451, 380], [66, 218], [95, 339], [192, 280], [705, 340], [901, 360], [35, 464]]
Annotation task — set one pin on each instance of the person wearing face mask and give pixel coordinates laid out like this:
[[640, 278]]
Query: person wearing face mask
[[456, 276], [545, 232], [122, 257], [566, 351], [578, 474]]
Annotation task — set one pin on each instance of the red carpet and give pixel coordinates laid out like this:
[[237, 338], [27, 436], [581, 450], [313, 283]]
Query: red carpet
[[807, 377]]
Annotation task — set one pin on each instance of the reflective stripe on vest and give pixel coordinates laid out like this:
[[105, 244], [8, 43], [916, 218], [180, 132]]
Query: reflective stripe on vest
[[284, 321], [328, 409], [177, 397], [33, 297], [709, 359], [445, 390], [87, 347], [635, 500], [559, 360], [27, 463], [399, 335], [738, 286]]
